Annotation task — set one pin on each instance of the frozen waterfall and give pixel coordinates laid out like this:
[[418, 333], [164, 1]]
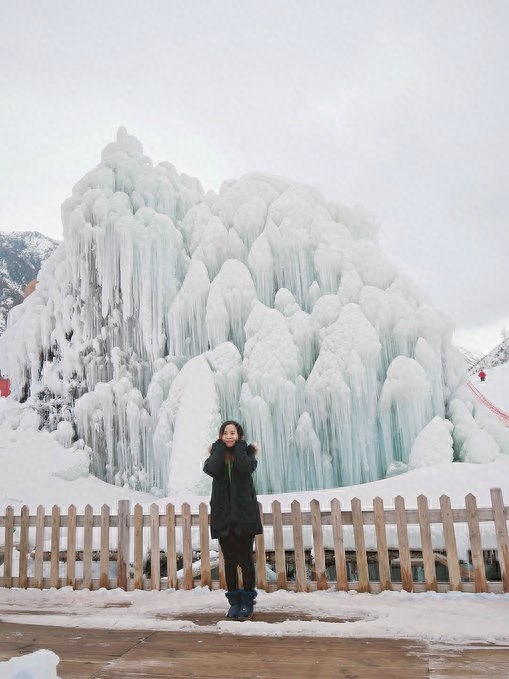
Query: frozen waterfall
[[166, 310]]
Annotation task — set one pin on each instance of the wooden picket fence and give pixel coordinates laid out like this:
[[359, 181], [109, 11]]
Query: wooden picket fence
[[368, 550]]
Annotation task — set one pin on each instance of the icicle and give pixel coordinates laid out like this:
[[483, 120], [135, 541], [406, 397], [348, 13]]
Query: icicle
[[261, 264], [186, 322], [232, 292], [405, 407]]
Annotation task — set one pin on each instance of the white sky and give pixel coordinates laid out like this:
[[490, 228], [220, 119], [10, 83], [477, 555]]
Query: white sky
[[401, 107], [29, 458]]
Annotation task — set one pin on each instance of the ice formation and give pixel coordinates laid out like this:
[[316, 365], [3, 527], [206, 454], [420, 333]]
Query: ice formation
[[37, 665], [167, 309]]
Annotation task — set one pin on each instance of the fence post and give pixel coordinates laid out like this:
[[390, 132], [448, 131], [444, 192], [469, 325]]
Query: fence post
[[453, 565], [124, 516], [155, 551], [339, 545], [279, 545], [138, 546], [55, 545], [203, 513], [360, 545], [88, 536], [499, 515], [187, 546], [428, 559], [39, 548], [474, 532], [261, 559], [298, 548], [104, 558], [171, 549], [405, 562], [23, 547], [8, 546], [71, 546], [384, 568]]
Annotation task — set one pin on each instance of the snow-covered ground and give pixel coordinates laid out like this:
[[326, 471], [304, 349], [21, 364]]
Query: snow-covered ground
[[452, 618], [496, 386], [36, 469]]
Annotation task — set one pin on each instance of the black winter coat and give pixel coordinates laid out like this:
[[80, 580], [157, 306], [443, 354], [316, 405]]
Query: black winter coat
[[233, 504]]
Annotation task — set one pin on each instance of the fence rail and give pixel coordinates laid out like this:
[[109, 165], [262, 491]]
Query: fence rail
[[369, 550]]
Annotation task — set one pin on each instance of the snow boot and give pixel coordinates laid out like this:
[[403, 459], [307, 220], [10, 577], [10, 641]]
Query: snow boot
[[234, 599], [247, 601]]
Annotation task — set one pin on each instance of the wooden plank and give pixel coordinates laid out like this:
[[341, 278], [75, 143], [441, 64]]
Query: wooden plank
[[24, 547], [474, 532], [187, 546], [384, 568], [319, 553], [360, 545], [87, 546], [279, 547], [453, 565], [339, 546], [138, 546], [500, 516], [407, 581], [71, 547], [39, 547], [155, 556], [138, 654], [428, 558], [104, 562], [123, 551], [205, 575], [368, 517], [222, 576], [171, 550], [55, 545], [8, 546], [298, 546], [261, 559], [493, 587]]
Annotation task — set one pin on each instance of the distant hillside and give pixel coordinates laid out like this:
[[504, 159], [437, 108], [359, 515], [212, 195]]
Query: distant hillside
[[497, 356], [21, 256], [470, 357]]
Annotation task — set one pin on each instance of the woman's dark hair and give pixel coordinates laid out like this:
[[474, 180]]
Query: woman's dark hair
[[237, 426]]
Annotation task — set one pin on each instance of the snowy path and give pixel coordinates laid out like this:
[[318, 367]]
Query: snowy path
[[452, 618]]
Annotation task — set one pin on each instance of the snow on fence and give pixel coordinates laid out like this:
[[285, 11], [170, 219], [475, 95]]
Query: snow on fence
[[369, 550]]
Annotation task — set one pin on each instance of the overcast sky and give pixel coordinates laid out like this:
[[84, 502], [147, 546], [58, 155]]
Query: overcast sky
[[401, 107]]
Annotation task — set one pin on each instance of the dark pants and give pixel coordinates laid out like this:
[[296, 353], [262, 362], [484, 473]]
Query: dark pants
[[238, 551]]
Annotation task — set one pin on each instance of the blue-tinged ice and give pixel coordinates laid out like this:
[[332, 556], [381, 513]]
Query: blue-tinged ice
[[167, 310]]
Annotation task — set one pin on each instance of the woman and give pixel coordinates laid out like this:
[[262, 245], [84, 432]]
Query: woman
[[234, 514]]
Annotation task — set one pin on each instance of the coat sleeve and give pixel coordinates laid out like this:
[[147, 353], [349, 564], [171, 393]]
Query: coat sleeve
[[214, 464], [245, 459]]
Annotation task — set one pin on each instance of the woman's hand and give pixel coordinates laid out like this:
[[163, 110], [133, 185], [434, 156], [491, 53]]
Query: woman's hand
[[256, 448]]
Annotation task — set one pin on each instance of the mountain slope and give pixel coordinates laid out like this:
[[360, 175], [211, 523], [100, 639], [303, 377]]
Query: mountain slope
[[497, 356], [21, 256], [471, 358]]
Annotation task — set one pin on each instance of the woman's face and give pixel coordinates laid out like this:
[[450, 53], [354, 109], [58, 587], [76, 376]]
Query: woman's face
[[230, 436]]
